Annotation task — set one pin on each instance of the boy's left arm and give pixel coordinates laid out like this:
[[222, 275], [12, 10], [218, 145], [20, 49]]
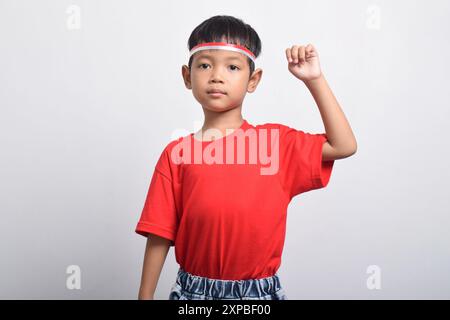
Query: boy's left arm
[[304, 64]]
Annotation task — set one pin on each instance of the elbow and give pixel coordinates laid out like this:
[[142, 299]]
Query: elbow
[[348, 151], [351, 150]]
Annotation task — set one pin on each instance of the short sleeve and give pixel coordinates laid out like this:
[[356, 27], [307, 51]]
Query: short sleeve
[[159, 215], [302, 168]]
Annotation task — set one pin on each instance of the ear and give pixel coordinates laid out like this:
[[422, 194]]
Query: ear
[[254, 80], [186, 76]]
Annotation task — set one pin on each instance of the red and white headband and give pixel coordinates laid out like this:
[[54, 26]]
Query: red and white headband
[[223, 46]]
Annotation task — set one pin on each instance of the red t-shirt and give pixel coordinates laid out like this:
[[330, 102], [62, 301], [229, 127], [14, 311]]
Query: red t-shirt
[[227, 219]]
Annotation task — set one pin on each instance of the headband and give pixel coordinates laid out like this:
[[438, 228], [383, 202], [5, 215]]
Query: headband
[[223, 46]]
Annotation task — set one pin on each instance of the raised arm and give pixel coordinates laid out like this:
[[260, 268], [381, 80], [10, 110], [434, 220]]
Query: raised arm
[[303, 63], [155, 255], [341, 141]]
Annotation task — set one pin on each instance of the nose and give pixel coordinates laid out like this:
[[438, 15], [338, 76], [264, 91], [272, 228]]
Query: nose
[[216, 75]]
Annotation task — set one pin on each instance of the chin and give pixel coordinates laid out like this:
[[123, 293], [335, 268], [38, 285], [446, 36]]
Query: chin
[[219, 107]]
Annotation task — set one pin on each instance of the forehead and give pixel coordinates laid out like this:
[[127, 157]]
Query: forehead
[[219, 54]]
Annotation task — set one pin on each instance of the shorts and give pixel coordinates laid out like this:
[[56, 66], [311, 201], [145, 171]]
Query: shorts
[[190, 287]]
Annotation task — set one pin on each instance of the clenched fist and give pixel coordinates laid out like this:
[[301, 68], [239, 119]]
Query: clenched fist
[[303, 62]]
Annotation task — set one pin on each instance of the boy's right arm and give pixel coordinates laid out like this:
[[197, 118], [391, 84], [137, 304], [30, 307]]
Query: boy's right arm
[[155, 255]]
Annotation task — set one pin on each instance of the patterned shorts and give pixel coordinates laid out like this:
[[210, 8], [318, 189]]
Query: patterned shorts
[[190, 287]]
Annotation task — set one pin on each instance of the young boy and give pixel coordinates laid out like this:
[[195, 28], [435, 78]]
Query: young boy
[[220, 195]]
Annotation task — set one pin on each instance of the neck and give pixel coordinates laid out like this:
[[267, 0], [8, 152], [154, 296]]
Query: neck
[[231, 119]]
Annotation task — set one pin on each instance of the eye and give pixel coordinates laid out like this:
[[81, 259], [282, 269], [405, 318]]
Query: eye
[[203, 64], [236, 67]]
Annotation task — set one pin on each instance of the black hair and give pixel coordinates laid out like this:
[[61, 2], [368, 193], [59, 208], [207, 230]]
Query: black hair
[[232, 29]]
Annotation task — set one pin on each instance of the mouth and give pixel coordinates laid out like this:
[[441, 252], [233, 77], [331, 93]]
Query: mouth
[[216, 93]]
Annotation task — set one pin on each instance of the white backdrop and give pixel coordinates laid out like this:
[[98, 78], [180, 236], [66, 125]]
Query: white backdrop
[[91, 91]]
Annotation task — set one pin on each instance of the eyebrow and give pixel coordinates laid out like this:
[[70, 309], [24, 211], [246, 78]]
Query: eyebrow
[[208, 56]]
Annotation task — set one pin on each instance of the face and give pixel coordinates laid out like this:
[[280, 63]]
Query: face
[[220, 70]]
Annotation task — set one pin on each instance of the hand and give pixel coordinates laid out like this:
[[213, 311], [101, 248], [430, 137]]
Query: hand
[[303, 62]]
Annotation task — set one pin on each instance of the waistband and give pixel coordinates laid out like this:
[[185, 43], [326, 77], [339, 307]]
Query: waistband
[[223, 289]]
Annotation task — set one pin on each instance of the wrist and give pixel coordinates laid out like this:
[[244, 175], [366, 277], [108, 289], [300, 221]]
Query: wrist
[[315, 81], [145, 297], [145, 294]]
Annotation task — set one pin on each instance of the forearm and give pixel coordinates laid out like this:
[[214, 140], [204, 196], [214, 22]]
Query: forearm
[[155, 255], [338, 131]]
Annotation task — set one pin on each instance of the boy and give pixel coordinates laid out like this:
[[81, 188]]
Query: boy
[[220, 195]]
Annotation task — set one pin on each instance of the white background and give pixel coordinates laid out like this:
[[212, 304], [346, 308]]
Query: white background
[[86, 112]]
